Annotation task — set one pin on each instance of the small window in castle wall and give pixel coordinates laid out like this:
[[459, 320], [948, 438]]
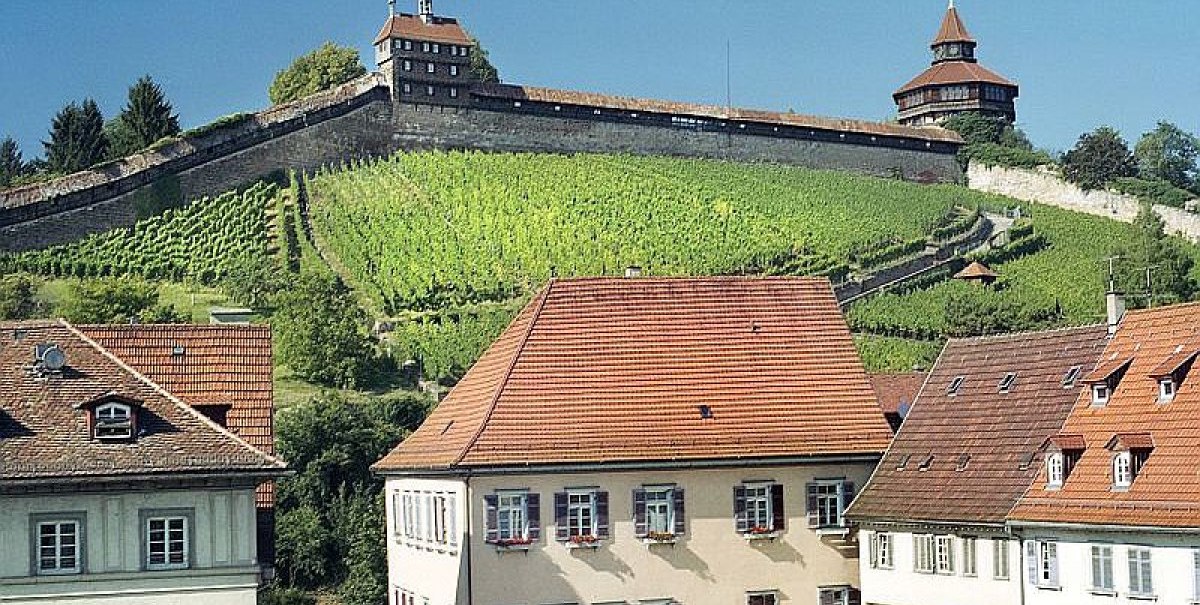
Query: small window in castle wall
[[407, 88], [454, 70], [424, 47], [453, 92], [429, 92], [407, 65], [437, 49], [408, 45], [431, 67]]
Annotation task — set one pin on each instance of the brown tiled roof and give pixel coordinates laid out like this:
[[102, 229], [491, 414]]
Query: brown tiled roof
[[976, 270], [952, 29], [441, 29], [1177, 360], [1068, 441], [45, 435], [219, 365], [1166, 492], [997, 431], [1131, 441], [954, 72], [896, 390], [569, 97], [601, 370], [1108, 366]]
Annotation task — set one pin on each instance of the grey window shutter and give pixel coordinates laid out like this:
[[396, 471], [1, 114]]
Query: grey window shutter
[[828, 597], [533, 510], [847, 498], [680, 515], [602, 515], [491, 525], [452, 519], [639, 513], [739, 510], [562, 532], [855, 596], [1134, 575], [397, 515], [873, 550], [1052, 557], [810, 512], [779, 516], [1031, 561]]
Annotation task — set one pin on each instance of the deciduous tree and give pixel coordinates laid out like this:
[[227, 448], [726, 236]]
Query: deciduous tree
[[321, 69], [116, 300], [481, 65], [1168, 153], [18, 297], [321, 332], [1169, 263], [1098, 159]]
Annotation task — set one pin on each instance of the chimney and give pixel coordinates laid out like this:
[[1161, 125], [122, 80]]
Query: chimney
[[391, 8], [633, 271], [1116, 309], [425, 10]]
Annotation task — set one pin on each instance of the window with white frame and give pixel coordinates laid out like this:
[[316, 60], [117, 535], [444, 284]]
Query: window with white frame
[[765, 597], [424, 47], [429, 92], [828, 502], [1042, 559], [1054, 470], [837, 595], [431, 67], [969, 561], [114, 421], [659, 511], [1000, 559], [510, 516], [437, 48], [758, 507], [167, 542], [453, 92], [881, 550], [1122, 470], [1141, 574], [944, 554], [1100, 393], [955, 93], [454, 70], [58, 547], [1102, 567], [581, 514], [1166, 390], [407, 88], [923, 553]]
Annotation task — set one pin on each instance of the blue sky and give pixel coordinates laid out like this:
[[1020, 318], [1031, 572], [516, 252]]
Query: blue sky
[[1080, 63]]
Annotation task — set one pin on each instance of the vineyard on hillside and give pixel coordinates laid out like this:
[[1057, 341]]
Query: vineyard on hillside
[[430, 230], [201, 242]]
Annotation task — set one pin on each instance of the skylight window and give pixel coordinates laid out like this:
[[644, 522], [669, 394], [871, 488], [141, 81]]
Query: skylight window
[[926, 463], [903, 463], [963, 461], [955, 385], [1006, 383], [706, 412], [1071, 376]]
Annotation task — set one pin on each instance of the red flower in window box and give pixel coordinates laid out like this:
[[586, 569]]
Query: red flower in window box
[[759, 530], [513, 542], [588, 539], [660, 536]]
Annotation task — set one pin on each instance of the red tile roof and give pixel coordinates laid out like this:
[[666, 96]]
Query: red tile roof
[[976, 270], [45, 435], [219, 365], [1067, 441], [954, 72], [1166, 492], [569, 97], [602, 370], [952, 29], [997, 434], [897, 390], [441, 29]]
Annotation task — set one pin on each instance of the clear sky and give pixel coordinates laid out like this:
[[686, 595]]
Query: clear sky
[[1080, 63]]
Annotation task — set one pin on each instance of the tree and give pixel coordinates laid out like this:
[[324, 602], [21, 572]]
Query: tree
[[116, 300], [975, 311], [321, 69], [1098, 159], [11, 164], [321, 332], [18, 297], [146, 118], [77, 139], [254, 282], [1168, 153], [1169, 263], [481, 66]]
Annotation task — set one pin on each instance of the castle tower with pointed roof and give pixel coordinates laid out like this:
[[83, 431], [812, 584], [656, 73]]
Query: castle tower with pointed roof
[[956, 82]]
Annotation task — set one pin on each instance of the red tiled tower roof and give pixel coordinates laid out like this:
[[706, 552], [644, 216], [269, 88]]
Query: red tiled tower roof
[[445, 30], [953, 29], [603, 370]]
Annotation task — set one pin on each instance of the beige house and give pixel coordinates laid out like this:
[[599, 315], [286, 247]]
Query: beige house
[[643, 441], [113, 489]]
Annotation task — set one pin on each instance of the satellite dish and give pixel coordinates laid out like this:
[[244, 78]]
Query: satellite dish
[[54, 358]]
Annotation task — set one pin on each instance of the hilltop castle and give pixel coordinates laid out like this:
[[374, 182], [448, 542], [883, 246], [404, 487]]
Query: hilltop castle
[[956, 83]]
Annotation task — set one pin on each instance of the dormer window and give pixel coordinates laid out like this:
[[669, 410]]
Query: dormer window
[[113, 421], [1064, 452], [1054, 470], [1105, 378], [1123, 470], [1100, 394], [1006, 383], [955, 385], [1166, 390], [1131, 451]]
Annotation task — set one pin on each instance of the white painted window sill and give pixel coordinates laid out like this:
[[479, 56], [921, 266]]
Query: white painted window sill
[[656, 541], [511, 547], [1142, 597], [1102, 592], [767, 537], [583, 545], [1048, 587], [833, 531]]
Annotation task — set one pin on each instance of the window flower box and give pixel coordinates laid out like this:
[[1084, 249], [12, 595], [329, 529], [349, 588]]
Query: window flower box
[[512, 544], [759, 532], [589, 541], [659, 537]]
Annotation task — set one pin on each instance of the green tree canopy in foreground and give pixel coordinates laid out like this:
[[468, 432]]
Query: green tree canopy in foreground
[[146, 118], [1169, 264], [1168, 153], [1099, 158], [321, 332], [18, 297], [481, 65], [116, 300], [321, 69], [77, 138]]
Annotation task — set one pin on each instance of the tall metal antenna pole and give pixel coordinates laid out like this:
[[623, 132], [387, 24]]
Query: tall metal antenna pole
[[1112, 280], [1149, 288]]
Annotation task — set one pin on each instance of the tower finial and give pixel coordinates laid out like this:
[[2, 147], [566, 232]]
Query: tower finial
[[391, 8], [425, 10], [951, 7]]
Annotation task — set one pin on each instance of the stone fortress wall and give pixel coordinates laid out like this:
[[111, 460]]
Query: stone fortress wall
[[360, 120]]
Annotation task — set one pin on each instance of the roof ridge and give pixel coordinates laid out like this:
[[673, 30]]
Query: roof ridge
[[205, 420], [1013, 335], [507, 375]]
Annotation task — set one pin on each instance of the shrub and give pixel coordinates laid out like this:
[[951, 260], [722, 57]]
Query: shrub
[[1153, 191], [993, 154]]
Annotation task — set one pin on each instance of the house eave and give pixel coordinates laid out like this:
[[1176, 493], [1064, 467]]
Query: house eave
[[634, 465], [1103, 527]]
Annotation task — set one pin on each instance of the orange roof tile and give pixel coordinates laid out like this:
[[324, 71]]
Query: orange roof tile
[[954, 72], [1166, 492], [44, 434], [570, 97], [1109, 366], [1179, 359], [895, 391], [1067, 441], [599, 370], [952, 29], [218, 365], [440, 29], [1130, 441], [996, 433]]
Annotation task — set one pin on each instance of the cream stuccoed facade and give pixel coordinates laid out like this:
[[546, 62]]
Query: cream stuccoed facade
[[896, 577], [1095, 566], [111, 529], [709, 562]]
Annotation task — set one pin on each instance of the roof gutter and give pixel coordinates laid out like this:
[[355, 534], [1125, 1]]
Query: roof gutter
[[590, 467], [231, 476], [1101, 527]]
